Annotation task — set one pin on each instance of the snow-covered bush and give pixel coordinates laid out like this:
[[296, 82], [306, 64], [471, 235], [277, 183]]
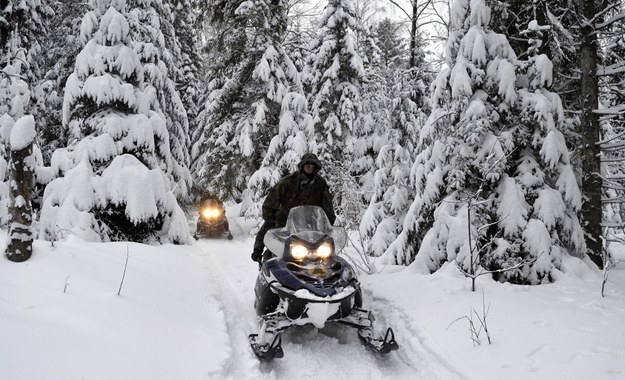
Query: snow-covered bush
[[115, 176]]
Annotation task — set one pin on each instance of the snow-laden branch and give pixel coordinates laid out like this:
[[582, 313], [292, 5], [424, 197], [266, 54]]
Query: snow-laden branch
[[616, 18], [605, 142], [616, 68], [617, 110]]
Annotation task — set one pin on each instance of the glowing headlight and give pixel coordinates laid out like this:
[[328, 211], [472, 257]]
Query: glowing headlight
[[211, 213], [324, 250], [298, 251]]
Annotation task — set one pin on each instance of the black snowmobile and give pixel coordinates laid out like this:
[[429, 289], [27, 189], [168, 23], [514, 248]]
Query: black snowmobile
[[212, 221], [306, 282]]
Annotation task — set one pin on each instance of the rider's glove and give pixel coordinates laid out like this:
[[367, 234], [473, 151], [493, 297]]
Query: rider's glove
[[257, 256]]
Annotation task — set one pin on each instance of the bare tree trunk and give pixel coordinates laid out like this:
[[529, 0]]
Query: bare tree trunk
[[20, 239], [413, 35], [590, 133]]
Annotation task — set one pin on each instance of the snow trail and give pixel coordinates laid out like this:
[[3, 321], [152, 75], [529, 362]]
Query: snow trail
[[233, 286], [332, 352]]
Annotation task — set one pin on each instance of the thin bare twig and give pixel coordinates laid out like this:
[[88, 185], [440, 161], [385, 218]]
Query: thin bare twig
[[124, 275]]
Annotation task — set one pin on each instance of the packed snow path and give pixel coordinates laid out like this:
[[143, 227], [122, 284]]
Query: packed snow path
[[332, 352]]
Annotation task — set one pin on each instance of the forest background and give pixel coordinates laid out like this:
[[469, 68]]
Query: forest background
[[501, 152]]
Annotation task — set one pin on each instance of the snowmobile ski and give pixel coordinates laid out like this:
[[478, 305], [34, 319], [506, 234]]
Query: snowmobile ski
[[377, 345], [269, 351]]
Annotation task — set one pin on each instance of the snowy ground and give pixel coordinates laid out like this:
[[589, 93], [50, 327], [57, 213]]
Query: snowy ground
[[185, 313]]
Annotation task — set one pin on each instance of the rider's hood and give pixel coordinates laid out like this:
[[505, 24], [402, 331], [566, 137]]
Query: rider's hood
[[309, 158]]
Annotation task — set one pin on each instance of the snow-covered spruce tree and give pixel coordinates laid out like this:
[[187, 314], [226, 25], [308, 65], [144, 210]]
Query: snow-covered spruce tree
[[374, 115], [402, 120], [559, 40], [333, 75], [295, 137], [390, 44], [114, 182], [161, 66], [62, 45], [24, 20], [187, 59], [296, 42], [493, 173], [242, 113], [392, 191], [572, 42]]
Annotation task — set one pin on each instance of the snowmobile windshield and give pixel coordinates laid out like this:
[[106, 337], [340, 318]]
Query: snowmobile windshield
[[210, 203], [309, 223]]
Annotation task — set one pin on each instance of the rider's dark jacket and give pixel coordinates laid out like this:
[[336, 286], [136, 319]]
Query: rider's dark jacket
[[298, 189]]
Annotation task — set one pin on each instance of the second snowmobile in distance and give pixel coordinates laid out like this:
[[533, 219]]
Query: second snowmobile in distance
[[212, 221], [306, 282]]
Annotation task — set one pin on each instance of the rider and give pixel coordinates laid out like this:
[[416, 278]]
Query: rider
[[304, 187]]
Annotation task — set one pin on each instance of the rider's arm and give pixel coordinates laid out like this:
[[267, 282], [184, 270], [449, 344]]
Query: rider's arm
[[271, 205], [326, 204]]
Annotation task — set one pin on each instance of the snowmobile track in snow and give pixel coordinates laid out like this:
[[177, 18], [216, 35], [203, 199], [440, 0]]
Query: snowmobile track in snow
[[330, 353], [415, 348]]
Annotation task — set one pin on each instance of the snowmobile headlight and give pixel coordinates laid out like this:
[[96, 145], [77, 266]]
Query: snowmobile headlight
[[298, 251], [209, 213], [324, 251]]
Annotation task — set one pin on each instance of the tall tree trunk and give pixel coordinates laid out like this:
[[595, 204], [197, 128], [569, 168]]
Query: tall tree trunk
[[590, 133], [413, 35], [20, 240]]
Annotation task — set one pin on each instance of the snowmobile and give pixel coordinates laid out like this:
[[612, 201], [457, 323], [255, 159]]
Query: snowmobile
[[212, 222], [306, 282]]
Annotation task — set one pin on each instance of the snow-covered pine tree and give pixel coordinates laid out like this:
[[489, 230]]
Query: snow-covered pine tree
[[559, 39], [374, 115], [25, 20], [390, 44], [572, 30], [333, 75], [401, 120], [295, 137], [250, 80], [392, 191], [296, 43], [119, 157], [187, 59], [492, 156], [161, 67], [62, 42]]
